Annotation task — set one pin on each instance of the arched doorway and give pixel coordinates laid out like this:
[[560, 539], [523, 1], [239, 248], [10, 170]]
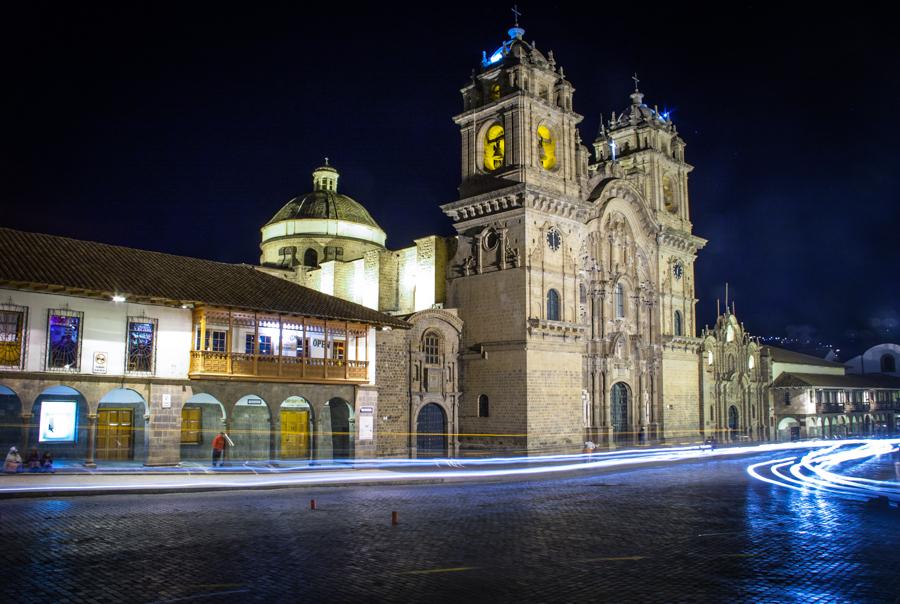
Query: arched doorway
[[250, 429], [60, 423], [296, 427], [788, 429], [202, 417], [120, 426], [732, 422], [619, 412], [431, 431], [10, 419], [341, 432]]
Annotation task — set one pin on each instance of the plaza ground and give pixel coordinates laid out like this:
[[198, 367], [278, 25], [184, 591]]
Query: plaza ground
[[699, 531]]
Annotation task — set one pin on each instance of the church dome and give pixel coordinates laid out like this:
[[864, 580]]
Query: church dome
[[324, 212], [325, 202]]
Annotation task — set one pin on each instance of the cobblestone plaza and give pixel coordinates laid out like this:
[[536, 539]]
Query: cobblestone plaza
[[702, 531]]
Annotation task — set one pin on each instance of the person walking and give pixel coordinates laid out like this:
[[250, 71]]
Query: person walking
[[218, 450]]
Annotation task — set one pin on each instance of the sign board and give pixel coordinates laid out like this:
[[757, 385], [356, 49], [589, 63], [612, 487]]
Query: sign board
[[369, 410], [366, 427], [166, 401], [100, 361], [254, 401], [57, 421]]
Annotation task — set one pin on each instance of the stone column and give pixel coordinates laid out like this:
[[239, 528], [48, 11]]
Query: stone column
[[26, 432], [92, 440]]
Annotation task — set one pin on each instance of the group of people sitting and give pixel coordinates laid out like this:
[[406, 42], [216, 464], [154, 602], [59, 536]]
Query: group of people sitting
[[35, 462]]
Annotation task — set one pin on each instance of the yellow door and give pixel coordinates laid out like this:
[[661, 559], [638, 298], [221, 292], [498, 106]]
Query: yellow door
[[294, 433], [114, 433]]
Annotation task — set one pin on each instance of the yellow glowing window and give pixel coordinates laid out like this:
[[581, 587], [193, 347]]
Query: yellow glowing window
[[668, 194], [494, 147], [495, 92], [546, 147]]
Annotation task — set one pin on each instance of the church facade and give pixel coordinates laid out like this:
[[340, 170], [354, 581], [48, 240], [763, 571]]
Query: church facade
[[565, 305]]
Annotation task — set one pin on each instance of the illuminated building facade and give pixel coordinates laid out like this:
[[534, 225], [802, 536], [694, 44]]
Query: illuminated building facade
[[115, 354]]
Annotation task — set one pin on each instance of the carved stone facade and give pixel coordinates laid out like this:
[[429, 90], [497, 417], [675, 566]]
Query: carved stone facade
[[735, 406], [575, 281]]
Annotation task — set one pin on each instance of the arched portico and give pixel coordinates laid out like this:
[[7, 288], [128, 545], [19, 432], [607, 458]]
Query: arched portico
[[11, 425], [202, 417], [62, 424], [296, 423], [251, 429], [342, 424], [121, 433]]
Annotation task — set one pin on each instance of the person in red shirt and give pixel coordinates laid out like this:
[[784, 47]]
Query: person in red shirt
[[218, 450]]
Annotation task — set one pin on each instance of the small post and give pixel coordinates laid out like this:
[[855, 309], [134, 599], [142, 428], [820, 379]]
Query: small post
[[395, 518]]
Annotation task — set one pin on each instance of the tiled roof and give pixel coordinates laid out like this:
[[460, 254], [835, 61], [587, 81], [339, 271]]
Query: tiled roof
[[28, 259], [782, 355], [325, 204], [802, 380]]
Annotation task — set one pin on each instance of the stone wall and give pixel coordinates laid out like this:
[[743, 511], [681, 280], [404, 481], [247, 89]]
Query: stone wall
[[392, 382], [680, 396]]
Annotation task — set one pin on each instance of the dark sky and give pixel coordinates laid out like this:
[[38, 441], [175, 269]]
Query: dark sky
[[183, 127]]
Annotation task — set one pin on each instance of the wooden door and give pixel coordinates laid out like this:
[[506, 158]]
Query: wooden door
[[115, 430], [294, 433]]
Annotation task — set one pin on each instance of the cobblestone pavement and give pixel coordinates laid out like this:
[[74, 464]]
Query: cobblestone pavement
[[693, 532]]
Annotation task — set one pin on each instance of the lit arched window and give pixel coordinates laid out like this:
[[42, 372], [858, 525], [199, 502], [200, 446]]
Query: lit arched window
[[431, 346], [553, 305], [620, 300], [888, 363], [546, 148], [310, 257], [678, 326], [494, 147], [484, 408]]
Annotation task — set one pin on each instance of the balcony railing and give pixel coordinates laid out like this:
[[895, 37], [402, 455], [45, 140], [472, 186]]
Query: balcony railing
[[205, 363]]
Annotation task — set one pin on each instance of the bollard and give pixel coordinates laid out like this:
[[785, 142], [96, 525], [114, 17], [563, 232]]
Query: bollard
[[395, 519], [312, 504]]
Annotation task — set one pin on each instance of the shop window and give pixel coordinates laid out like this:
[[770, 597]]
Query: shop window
[[141, 345], [64, 339], [191, 425]]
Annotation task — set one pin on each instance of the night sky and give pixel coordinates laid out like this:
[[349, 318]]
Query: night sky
[[183, 128]]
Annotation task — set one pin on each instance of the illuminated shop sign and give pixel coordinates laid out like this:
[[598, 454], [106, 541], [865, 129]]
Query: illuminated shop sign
[[58, 421]]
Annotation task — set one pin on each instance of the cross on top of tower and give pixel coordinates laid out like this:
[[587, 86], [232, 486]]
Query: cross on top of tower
[[636, 81], [516, 13]]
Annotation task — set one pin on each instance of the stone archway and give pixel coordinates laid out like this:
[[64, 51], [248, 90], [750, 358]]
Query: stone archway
[[11, 427], [121, 422], [251, 429], [787, 428], [296, 424], [202, 418], [620, 418], [733, 422], [342, 424], [61, 424]]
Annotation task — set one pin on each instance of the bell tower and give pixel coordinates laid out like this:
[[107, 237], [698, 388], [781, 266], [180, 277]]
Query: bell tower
[[643, 144], [517, 123]]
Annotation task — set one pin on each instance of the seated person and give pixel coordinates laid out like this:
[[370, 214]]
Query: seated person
[[47, 462]]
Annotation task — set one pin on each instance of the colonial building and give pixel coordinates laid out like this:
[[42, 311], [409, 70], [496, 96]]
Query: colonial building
[[814, 398], [113, 353]]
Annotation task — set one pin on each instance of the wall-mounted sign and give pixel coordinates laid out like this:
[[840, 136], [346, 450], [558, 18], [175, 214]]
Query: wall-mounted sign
[[100, 362], [254, 401], [166, 401], [369, 410], [58, 421], [366, 427]]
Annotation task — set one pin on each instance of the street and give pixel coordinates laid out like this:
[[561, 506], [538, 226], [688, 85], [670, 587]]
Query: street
[[694, 531]]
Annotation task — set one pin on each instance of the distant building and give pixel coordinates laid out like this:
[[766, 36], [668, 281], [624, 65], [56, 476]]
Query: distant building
[[882, 358], [814, 398]]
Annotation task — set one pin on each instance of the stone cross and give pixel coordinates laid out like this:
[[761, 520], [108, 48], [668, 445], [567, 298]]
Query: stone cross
[[515, 10], [636, 80]]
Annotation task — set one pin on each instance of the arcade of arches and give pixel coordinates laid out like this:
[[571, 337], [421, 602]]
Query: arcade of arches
[[155, 424]]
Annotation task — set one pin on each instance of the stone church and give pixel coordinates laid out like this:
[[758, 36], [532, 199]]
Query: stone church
[[562, 312]]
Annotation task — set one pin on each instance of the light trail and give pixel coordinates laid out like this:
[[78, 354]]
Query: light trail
[[816, 471], [813, 470]]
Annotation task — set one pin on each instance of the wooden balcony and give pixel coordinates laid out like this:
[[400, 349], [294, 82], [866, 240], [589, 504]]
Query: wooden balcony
[[274, 368]]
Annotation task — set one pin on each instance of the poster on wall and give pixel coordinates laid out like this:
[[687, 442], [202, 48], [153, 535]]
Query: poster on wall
[[58, 420]]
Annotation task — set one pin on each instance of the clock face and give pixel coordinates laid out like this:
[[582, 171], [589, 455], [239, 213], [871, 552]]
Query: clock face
[[553, 239], [678, 270]]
